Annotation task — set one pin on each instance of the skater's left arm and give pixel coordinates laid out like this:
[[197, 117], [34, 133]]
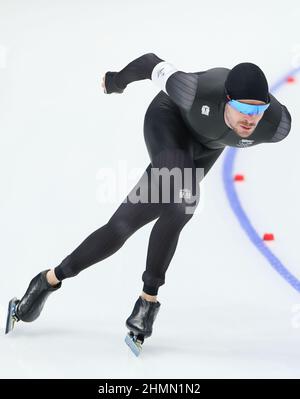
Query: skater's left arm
[[180, 86], [284, 126]]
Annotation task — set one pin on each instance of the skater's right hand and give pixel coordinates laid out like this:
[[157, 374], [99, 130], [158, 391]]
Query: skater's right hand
[[109, 84], [103, 84]]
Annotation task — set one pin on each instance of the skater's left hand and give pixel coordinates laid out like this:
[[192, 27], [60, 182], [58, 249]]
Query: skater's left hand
[[109, 84], [103, 84]]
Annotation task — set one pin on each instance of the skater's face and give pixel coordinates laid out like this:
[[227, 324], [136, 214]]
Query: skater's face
[[242, 124]]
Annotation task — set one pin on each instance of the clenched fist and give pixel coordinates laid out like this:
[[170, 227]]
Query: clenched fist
[[109, 83], [103, 84]]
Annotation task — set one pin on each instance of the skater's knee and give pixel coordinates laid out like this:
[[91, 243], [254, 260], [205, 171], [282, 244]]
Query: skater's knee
[[178, 213], [120, 227]]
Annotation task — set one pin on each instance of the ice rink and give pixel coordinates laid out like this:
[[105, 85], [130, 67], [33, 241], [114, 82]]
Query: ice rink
[[225, 311]]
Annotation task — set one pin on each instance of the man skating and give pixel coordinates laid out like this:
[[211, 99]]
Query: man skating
[[186, 126]]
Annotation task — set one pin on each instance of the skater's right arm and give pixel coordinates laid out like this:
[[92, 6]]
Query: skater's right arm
[[180, 86], [284, 127]]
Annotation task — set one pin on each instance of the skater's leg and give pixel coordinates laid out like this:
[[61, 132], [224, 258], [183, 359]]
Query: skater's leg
[[163, 241], [175, 213], [128, 218], [106, 240], [174, 216], [51, 277], [170, 145], [150, 298]]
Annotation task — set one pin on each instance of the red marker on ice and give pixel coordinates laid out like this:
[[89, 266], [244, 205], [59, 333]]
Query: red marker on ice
[[268, 237], [239, 178], [291, 79]]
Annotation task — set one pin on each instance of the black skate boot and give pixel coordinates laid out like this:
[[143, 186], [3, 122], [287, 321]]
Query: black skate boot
[[30, 306], [140, 323]]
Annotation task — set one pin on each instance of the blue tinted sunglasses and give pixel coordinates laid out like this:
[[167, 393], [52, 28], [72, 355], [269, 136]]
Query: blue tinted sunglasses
[[248, 109]]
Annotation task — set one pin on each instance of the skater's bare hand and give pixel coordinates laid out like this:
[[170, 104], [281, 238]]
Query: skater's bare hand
[[103, 84], [109, 84]]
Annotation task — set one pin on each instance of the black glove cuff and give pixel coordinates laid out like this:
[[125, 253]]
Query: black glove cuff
[[110, 83]]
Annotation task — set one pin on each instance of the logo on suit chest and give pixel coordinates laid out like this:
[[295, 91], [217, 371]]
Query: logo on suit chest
[[245, 143], [205, 110]]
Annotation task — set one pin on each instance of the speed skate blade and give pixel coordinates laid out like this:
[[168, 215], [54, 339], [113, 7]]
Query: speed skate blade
[[11, 318], [134, 344]]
